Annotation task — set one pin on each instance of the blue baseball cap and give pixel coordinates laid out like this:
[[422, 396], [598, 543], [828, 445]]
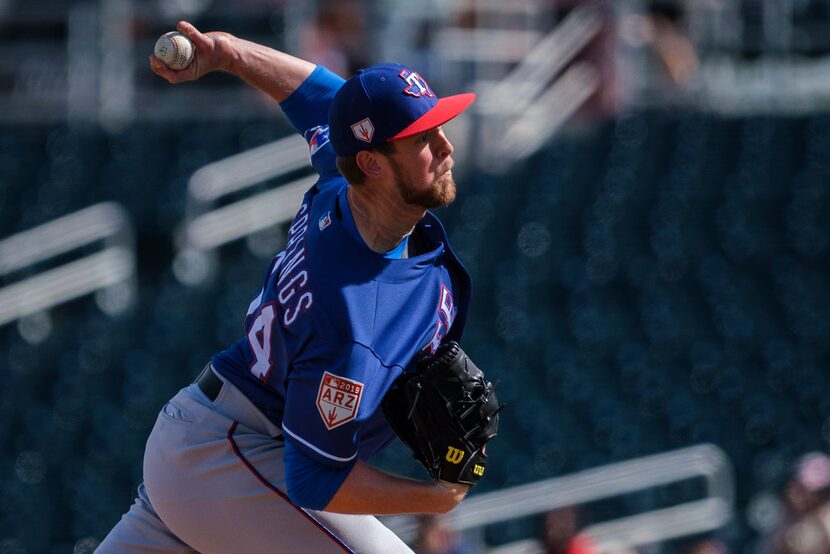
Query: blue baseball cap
[[387, 102]]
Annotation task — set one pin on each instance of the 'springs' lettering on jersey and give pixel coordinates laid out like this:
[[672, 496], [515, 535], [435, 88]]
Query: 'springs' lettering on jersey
[[446, 315], [291, 295], [293, 277]]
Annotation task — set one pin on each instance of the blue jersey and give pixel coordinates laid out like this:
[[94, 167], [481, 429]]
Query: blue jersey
[[336, 323]]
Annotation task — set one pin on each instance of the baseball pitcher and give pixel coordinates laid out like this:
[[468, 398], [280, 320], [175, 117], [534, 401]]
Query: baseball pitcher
[[352, 338]]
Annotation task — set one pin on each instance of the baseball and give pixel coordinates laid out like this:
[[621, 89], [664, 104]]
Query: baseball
[[175, 50]]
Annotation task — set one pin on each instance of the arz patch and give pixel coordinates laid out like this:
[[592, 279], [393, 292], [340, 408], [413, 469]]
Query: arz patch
[[338, 399]]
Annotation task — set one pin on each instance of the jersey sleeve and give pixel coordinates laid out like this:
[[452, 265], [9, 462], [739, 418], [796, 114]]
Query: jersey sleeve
[[311, 484], [331, 395], [307, 109]]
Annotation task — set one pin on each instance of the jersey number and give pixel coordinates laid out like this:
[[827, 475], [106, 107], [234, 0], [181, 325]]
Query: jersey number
[[259, 337]]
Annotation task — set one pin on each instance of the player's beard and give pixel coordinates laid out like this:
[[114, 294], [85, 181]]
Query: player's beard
[[440, 193]]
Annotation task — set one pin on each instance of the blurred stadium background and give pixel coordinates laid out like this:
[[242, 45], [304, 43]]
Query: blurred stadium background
[[644, 207]]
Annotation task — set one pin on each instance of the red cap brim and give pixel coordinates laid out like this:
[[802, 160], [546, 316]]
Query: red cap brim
[[446, 109]]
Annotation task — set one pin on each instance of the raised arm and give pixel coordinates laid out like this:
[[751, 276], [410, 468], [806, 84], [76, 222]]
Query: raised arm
[[273, 72]]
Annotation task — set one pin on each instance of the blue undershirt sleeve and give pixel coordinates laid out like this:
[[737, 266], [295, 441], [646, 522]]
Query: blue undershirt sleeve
[[311, 484], [308, 106]]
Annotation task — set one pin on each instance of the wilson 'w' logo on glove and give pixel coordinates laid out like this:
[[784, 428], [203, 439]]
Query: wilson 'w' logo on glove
[[445, 411], [454, 455]]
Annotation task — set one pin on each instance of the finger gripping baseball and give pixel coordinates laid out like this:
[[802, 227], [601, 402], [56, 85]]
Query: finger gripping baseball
[[445, 411]]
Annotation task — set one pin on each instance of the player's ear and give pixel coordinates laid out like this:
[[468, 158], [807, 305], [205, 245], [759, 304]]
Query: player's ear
[[370, 163]]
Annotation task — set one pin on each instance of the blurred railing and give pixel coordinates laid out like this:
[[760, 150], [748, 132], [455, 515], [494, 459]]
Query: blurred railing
[[523, 110], [703, 461], [86, 61], [109, 270], [208, 225]]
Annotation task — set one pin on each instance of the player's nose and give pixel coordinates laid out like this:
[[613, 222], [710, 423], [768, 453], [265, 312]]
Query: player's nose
[[443, 146]]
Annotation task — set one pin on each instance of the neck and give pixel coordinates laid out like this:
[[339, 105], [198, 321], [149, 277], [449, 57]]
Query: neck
[[381, 221]]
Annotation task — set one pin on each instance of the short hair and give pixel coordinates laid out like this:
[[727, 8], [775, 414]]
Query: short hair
[[348, 168]]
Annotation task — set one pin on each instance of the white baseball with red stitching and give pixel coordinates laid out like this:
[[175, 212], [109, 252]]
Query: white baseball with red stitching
[[175, 50]]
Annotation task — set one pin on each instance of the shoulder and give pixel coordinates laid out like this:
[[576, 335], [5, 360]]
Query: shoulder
[[337, 272], [345, 293], [323, 158]]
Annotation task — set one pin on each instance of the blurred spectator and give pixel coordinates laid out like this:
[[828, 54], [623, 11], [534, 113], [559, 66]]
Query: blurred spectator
[[599, 53], [437, 536], [705, 546], [666, 63], [561, 533], [337, 37], [805, 525], [664, 30]]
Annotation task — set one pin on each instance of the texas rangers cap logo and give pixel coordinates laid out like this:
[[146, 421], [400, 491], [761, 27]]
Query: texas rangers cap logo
[[417, 85], [364, 130], [338, 399]]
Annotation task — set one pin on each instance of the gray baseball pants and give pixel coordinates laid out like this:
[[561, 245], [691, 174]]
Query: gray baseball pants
[[214, 483]]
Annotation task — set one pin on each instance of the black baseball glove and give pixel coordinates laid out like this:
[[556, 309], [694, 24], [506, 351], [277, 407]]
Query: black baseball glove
[[444, 410]]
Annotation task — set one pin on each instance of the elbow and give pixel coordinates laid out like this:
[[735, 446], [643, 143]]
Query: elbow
[[447, 506], [292, 493], [309, 483], [302, 495]]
